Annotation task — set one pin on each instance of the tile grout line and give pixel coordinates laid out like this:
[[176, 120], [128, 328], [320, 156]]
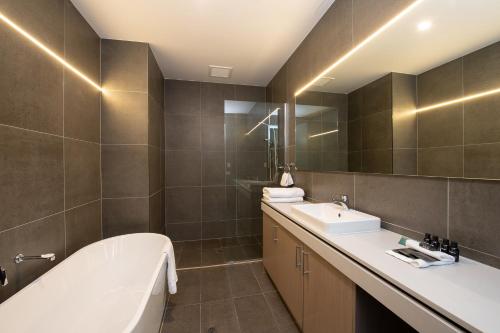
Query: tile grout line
[[100, 135]]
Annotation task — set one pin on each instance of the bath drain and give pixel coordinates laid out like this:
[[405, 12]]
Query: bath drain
[[211, 330]]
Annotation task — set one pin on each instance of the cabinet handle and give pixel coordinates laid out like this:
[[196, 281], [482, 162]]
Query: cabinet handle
[[304, 261], [275, 236], [298, 251]]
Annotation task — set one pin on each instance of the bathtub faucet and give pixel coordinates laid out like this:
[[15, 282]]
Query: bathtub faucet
[[21, 257], [3, 277]]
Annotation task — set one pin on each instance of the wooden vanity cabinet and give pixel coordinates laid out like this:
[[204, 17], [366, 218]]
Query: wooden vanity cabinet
[[282, 254], [320, 298], [329, 297]]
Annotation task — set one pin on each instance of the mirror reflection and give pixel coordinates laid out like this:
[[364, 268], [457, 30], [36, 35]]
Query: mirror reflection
[[419, 97]]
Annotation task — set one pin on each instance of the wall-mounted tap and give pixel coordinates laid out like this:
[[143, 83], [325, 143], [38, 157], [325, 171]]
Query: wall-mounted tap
[[21, 257], [3, 277], [343, 201]]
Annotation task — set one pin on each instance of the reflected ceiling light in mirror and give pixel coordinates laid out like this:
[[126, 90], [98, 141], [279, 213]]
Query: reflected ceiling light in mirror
[[47, 50], [459, 100], [263, 121], [324, 133], [360, 45], [424, 25]]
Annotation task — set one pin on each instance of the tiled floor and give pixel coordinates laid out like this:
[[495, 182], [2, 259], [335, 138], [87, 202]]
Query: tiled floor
[[217, 251], [230, 299]]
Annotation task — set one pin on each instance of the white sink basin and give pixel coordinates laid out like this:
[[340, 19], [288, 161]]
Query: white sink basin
[[332, 219]]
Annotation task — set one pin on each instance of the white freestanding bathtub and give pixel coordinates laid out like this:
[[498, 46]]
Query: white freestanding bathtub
[[115, 285]]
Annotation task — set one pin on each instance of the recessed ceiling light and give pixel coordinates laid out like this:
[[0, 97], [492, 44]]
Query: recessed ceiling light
[[220, 71], [424, 25]]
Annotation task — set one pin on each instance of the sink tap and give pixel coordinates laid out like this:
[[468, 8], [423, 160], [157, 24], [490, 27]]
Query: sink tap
[[3, 277], [343, 201]]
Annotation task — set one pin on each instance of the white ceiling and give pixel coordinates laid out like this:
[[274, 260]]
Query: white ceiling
[[256, 37]]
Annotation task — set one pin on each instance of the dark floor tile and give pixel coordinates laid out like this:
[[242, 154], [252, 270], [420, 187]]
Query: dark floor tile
[[219, 315], [260, 274], [214, 284], [254, 315], [188, 288], [242, 280], [182, 319], [191, 255], [281, 315], [212, 252]]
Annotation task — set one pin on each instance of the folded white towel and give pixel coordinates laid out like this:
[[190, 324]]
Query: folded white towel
[[171, 269], [267, 198], [286, 179], [278, 192], [418, 263]]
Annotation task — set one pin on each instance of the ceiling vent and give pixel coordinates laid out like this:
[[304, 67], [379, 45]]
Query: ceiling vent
[[220, 71], [323, 81]]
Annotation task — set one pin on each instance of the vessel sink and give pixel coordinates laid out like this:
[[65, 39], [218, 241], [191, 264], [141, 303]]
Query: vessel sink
[[333, 219]]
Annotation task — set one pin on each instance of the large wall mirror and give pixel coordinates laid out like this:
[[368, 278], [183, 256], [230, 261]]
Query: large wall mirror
[[420, 97]]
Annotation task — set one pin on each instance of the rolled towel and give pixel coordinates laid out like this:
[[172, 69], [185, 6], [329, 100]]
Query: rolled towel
[[267, 198], [277, 192]]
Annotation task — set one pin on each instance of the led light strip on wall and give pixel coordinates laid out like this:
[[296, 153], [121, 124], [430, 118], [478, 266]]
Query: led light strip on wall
[[359, 46], [47, 50], [459, 100], [324, 133], [262, 121]]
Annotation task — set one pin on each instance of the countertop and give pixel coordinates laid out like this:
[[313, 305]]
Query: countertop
[[468, 292]]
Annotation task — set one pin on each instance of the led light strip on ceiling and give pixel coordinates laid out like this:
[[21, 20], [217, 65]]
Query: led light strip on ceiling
[[359, 46], [324, 133], [262, 121], [47, 50]]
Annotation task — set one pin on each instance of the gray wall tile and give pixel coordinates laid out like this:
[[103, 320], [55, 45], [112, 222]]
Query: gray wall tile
[[482, 161], [125, 216], [418, 204], [156, 122], [184, 231], [156, 204], [155, 171], [182, 97], [44, 236], [441, 161], [124, 171], [326, 185], [31, 176], [82, 172], [219, 203], [124, 118], [474, 212], [155, 79], [183, 205], [39, 104], [124, 65], [83, 226], [182, 132], [183, 168]]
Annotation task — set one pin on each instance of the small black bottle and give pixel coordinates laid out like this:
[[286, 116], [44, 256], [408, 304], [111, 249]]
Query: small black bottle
[[454, 251], [426, 243], [445, 246], [435, 246]]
